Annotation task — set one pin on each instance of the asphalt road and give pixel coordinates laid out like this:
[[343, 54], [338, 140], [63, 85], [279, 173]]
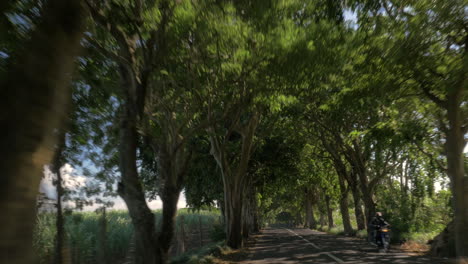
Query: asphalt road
[[288, 246]]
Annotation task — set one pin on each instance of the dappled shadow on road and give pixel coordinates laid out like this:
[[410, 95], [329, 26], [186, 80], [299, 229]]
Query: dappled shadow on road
[[281, 246], [277, 246]]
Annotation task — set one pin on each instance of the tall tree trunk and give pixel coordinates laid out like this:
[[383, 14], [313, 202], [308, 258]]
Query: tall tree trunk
[[299, 218], [310, 217], [366, 191], [234, 176], [255, 218], [233, 203], [370, 213], [344, 206], [322, 219], [170, 198], [247, 225], [173, 161], [131, 191], [360, 218], [59, 238], [32, 106], [245, 220], [331, 224], [455, 144], [59, 222], [342, 173]]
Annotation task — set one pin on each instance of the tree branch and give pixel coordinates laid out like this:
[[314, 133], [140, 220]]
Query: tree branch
[[433, 97], [106, 52]]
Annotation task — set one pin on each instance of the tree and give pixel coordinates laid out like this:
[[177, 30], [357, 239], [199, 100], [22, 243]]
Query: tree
[[434, 66], [122, 27], [33, 106]]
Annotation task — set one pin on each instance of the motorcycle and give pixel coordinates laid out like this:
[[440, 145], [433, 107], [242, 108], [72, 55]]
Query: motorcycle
[[383, 238]]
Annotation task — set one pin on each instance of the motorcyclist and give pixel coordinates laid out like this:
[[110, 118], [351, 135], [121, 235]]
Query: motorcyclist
[[376, 223]]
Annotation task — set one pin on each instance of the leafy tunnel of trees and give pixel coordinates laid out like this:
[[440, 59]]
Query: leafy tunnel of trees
[[272, 110]]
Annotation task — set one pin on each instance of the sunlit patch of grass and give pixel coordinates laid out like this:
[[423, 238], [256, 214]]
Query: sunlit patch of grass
[[215, 253], [203, 255], [416, 247], [338, 230], [421, 238]]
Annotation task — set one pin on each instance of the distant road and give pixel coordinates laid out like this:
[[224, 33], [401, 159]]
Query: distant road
[[298, 245]]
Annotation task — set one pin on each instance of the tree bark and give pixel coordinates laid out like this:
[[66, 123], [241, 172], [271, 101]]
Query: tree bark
[[169, 198], [60, 235], [131, 191], [311, 222], [173, 161], [234, 219], [344, 206], [369, 204], [331, 224], [360, 218], [455, 144], [34, 95], [322, 219], [234, 176], [342, 173], [245, 221], [355, 157]]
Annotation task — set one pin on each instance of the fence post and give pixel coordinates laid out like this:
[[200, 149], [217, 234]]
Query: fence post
[[102, 239]]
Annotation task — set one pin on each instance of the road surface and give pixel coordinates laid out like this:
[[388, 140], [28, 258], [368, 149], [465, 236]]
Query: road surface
[[298, 245]]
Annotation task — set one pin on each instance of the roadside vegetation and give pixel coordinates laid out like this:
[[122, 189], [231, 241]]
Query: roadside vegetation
[[309, 113], [88, 235]]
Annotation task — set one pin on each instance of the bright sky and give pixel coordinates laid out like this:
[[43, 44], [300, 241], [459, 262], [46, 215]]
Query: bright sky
[[73, 181]]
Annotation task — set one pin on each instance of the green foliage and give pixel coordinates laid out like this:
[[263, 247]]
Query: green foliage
[[326, 91], [199, 256], [82, 229], [44, 237]]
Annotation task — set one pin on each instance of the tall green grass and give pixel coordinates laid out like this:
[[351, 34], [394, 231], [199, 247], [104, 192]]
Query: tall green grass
[[82, 229]]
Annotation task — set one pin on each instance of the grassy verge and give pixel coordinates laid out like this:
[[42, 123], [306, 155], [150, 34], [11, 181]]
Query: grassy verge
[[82, 229], [204, 254]]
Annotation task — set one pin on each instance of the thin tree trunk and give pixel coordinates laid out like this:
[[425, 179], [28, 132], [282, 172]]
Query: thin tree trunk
[[255, 218], [370, 212], [298, 218], [102, 238], [246, 218], [344, 206], [310, 218], [367, 198], [360, 218], [59, 220], [331, 224], [322, 219], [59, 223], [32, 106]]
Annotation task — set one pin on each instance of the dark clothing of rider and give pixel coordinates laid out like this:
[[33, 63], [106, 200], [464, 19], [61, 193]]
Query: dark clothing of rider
[[378, 222]]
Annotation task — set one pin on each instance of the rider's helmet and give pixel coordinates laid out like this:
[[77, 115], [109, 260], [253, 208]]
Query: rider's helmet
[[378, 214]]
